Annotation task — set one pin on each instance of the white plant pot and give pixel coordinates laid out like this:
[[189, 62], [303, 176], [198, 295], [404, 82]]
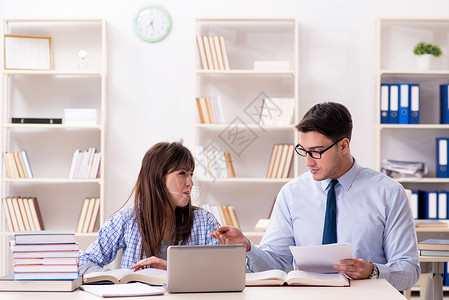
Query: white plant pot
[[424, 62]]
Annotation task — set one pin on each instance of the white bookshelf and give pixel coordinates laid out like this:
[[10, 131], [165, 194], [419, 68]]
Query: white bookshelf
[[240, 87], [50, 147]]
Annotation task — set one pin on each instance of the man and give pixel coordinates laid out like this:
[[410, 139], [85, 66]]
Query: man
[[372, 210]]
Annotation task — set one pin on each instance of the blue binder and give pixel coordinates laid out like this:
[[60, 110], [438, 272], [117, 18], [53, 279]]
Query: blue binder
[[394, 104], [446, 274], [414, 204], [404, 103], [384, 103], [414, 103], [430, 205], [442, 157], [444, 104]]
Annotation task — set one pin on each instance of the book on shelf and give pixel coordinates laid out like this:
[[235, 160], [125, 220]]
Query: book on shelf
[[22, 214], [8, 284], [150, 276], [276, 111], [444, 253], [229, 164], [88, 215], [434, 244], [213, 53], [80, 116], [85, 164], [295, 277], [225, 214], [280, 161], [210, 110], [131, 289], [44, 237], [212, 163], [36, 120], [419, 223], [17, 164]]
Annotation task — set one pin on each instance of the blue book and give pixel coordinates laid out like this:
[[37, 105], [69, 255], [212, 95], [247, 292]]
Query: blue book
[[404, 103], [394, 104], [414, 103], [442, 157], [446, 274], [444, 104], [442, 205], [384, 103]]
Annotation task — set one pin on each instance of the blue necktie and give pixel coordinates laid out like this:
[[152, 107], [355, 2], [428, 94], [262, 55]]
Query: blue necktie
[[330, 223]]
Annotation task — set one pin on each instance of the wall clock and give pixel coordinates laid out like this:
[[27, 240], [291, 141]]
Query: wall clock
[[152, 24]]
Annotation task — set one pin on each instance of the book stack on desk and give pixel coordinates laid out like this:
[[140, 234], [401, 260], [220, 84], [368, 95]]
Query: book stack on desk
[[45, 255], [434, 247]]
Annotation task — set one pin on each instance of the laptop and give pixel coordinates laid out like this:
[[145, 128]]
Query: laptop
[[214, 268]]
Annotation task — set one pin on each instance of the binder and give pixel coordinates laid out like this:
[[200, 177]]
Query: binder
[[384, 102], [446, 274], [442, 205], [442, 156], [444, 104], [414, 204], [430, 205], [394, 104], [404, 105], [414, 103]]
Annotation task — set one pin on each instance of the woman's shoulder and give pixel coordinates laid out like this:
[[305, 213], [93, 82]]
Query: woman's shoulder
[[123, 215]]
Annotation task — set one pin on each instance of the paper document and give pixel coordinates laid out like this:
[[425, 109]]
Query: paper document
[[320, 258]]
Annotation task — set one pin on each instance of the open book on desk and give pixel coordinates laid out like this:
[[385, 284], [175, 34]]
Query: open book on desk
[[295, 277], [150, 276]]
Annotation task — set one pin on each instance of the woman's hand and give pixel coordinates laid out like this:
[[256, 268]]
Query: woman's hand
[[153, 261]]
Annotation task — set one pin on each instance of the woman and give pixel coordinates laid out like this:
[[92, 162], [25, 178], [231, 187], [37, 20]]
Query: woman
[[162, 215]]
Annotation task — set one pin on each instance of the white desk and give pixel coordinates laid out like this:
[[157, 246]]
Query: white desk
[[359, 289]]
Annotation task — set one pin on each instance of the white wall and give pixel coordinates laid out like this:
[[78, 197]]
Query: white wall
[[150, 86]]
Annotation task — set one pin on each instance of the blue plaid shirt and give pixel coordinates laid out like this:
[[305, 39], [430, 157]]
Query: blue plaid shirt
[[121, 232]]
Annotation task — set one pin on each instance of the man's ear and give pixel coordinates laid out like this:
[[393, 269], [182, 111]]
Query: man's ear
[[344, 146]]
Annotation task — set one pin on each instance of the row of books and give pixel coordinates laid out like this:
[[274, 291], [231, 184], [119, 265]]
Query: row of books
[[225, 214], [213, 54], [212, 163], [442, 157], [276, 111], [85, 164], [430, 205], [210, 110], [88, 216], [45, 255], [22, 214], [17, 164], [280, 161], [399, 103]]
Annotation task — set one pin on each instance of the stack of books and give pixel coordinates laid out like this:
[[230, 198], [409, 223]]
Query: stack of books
[[22, 214], [280, 161], [225, 214], [213, 54], [45, 255], [17, 164], [85, 164], [434, 247], [210, 110]]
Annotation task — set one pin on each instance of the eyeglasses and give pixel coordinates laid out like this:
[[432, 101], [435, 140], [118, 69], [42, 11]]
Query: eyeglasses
[[313, 154]]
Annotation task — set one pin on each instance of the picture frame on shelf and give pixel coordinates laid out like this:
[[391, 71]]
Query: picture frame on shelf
[[28, 52]]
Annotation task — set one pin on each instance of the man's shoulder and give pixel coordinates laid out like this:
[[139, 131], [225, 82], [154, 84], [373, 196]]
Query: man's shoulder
[[376, 177]]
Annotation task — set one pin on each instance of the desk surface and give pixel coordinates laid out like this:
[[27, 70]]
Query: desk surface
[[359, 289]]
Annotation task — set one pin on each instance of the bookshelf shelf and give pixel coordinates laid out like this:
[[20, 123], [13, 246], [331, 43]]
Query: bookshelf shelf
[[69, 83], [241, 89]]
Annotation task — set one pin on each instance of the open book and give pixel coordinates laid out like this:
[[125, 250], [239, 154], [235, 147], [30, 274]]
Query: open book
[[295, 277], [151, 276]]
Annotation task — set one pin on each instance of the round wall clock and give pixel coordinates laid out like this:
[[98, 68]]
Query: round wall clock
[[152, 24]]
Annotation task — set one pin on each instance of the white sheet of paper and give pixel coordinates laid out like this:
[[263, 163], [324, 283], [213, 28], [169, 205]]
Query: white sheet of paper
[[122, 290], [320, 258]]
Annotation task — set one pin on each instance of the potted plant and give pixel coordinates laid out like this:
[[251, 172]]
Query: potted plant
[[425, 52]]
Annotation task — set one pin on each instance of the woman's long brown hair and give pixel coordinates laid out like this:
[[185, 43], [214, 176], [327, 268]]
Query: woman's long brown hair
[[152, 203]]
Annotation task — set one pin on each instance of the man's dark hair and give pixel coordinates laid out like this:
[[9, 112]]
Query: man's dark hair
[[331, 119]]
